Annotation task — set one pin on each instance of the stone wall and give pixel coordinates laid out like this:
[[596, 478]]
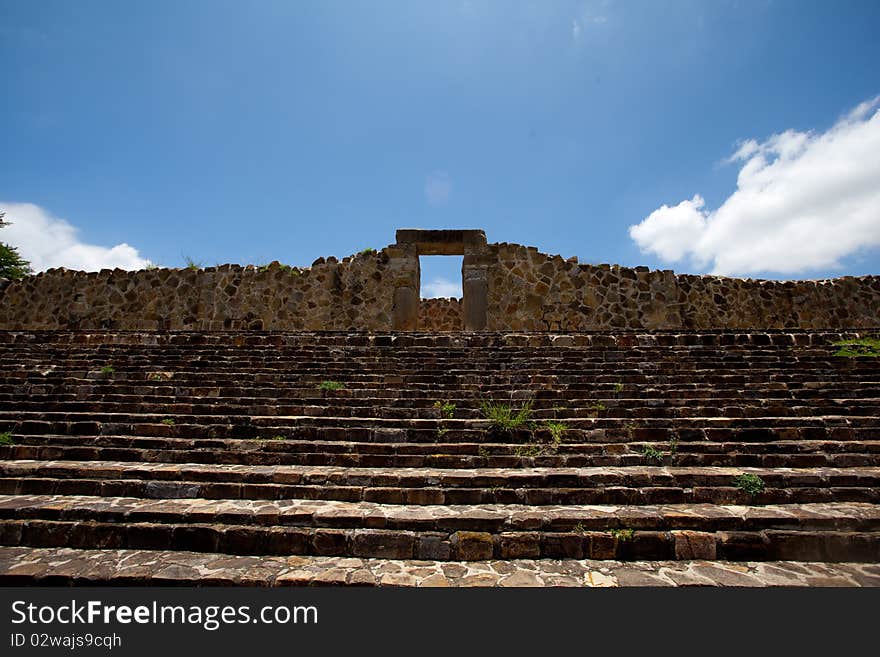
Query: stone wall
[[524, 290], [329, 295], [533, 291], [440, 315]]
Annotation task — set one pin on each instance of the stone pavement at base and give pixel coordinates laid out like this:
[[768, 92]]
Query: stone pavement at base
[[58, 566]]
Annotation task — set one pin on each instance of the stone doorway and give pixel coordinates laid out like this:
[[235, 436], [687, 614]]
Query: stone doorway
[[412, 243]]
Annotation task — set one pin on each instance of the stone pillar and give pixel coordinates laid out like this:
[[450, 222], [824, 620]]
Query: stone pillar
[[403, 268], [475, 289]]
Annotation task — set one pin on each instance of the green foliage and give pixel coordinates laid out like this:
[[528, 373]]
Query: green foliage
[[506, 417], [622, 535], [6, 438], [750, 483], [107, 369], [484, 451], [367, 251], [192, 264], [618, 387], [557, 430], [447, 410], [598, 406], [861, 347], [651, 453], [331, 385], [673, 446], [279, 437], [12, 265], [169, 421]]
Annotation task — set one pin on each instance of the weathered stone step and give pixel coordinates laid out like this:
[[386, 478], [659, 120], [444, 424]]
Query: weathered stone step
[[536, 496], [487, 518], [500, 455], [740, 413], [25, 566], [759, 545], [274, 340], [635, 485]]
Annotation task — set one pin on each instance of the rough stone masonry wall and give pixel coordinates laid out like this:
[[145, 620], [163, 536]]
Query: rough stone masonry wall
[[329, 295], [533, 291], [527, 291], [440, 315]]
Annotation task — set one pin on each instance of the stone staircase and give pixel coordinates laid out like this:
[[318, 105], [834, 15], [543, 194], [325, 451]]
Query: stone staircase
[[309, 458]]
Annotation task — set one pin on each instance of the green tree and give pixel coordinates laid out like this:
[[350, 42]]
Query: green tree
[[12, 265]]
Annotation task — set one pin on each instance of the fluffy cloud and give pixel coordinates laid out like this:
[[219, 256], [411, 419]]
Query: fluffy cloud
[[803, 202], [438, 188], [441, 287], [48, 242]]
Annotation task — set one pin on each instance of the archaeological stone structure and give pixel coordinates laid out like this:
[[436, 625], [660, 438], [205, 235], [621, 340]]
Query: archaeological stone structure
[[506, 287], [562, 424]]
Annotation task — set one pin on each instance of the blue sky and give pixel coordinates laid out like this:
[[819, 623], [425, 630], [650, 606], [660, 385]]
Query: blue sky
[[249, 132]]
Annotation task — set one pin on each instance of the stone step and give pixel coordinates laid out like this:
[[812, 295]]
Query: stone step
[[429, 431], [25, 566], [492, 518], [543, 454], [659, 409], [124, 526], [635, 485]]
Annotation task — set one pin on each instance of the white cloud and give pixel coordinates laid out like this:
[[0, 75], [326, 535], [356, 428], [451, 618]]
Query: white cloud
[[803, 201], [575, 29], [438, 188], [48, 241], [441, 287]]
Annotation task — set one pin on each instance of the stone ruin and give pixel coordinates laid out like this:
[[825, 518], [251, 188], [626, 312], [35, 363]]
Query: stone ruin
[[507, 287], [563, 424]]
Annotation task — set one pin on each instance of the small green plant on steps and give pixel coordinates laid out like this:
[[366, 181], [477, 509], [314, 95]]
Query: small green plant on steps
[[868, 347], [557, 431], [366, 251], [107, 369], [279, 437], [622, 535], [652, 454], [506, 417], [749, 483], [168, 421], [331, 385], [6, 438], [618, 388], [447, 409]]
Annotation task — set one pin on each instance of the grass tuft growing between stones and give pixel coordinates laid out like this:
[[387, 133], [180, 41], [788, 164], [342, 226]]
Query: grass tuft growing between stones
[[6, 438], [506, 417], [858, 348], [331, 385], [107, 369], [622, 535], [168, 421], [750, 483], [557, 431], [652, 454], [446, 409]]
